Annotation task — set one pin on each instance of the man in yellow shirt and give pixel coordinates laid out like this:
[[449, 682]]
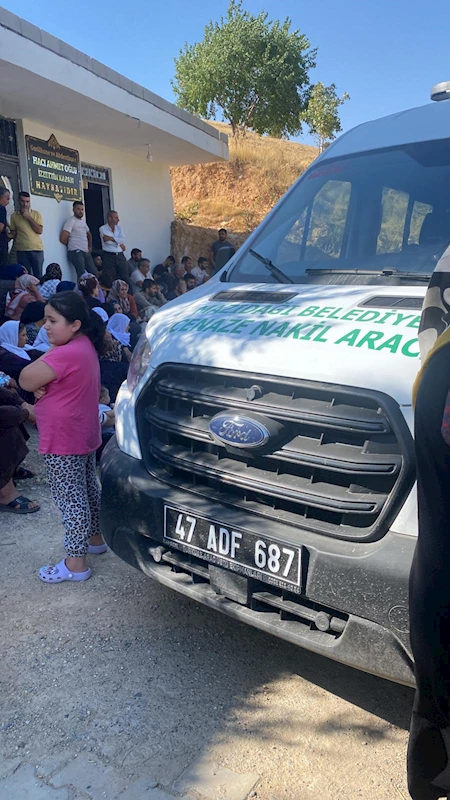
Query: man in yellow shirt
[[26, 228]]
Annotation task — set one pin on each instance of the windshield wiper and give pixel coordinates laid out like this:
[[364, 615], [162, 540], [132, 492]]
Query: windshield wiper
[[277, 273], [394, 273]]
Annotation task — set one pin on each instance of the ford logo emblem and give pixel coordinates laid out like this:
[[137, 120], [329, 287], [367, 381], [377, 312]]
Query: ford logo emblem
[[239, 431]]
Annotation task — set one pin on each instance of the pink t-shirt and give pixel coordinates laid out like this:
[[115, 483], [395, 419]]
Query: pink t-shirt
[[67, 415]]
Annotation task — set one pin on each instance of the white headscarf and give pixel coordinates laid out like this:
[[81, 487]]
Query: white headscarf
[[117, 326], [41, 341], [102, 313], [9, 339]]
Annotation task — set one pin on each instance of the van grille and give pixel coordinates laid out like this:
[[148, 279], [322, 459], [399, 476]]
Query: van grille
[[340, 464]]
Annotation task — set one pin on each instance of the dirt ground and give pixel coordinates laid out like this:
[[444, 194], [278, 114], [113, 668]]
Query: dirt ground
[[144, 683]]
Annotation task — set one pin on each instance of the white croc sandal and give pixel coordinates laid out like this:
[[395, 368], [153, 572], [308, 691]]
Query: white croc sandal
[[60, 573], [97, 549]]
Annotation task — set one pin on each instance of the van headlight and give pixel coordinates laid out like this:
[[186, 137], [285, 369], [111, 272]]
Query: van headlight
[[139, 362]]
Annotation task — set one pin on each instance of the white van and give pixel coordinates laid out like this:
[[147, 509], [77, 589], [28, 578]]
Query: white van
[[263, 462]]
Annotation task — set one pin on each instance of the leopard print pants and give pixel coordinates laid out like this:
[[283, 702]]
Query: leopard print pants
[[76, 492]]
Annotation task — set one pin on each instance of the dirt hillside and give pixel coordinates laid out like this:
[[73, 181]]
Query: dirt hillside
[[238, 194]]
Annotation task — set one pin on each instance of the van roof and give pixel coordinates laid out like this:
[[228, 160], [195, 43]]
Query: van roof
[[421, 124]]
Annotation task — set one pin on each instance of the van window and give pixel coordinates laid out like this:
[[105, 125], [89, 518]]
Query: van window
[[419, 212], [381, 212], [326, 227], [394, 208]]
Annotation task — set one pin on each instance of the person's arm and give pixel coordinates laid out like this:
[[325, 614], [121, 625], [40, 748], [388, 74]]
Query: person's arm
[[110, 419], [212, 256], [12, 232], [36, 375], [36, 226], [3, 224], [105, 237], [120, 238], [89, 238], [34, 290], [161, 298], [66, 231]]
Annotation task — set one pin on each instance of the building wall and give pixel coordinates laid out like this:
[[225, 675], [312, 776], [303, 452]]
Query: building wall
[[140, 192]]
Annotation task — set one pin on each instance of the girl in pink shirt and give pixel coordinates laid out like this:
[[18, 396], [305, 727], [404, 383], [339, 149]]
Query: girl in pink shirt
[[66, 380]]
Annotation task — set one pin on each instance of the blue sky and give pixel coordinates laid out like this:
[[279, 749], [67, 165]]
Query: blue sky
[[385, 53]]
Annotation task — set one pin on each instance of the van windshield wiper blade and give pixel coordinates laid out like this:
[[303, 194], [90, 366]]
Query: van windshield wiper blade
[[394, 273], [277, 273]]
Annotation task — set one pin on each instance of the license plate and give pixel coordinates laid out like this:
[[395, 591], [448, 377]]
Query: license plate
[[244, 552]]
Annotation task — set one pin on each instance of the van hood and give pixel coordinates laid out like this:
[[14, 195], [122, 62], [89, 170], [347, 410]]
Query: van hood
[[354, 336]]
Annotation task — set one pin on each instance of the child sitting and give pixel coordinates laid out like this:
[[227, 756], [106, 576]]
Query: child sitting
[[107, 419], [105, 412]]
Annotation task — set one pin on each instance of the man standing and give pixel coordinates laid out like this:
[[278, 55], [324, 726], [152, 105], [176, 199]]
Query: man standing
[[133, 262], [113, 244], [221, 250], [26, 228], [78, 240], [4, 200]]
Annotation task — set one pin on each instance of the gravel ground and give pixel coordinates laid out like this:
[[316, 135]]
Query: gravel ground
[[146, 682]]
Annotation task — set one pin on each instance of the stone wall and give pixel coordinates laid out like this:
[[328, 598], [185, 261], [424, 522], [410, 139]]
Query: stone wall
[[193, 241]]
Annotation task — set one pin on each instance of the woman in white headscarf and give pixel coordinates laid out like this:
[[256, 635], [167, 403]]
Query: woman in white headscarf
[[13, 338], [118, 326], [13, 355], [101, 313]]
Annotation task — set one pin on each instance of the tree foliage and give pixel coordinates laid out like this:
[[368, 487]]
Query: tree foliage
[[322, 113], [252, 70]]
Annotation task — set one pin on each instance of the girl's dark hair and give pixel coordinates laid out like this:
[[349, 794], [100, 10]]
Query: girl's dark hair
[[72, 307], [21, 327], [52, 273], [33, 312], [87, 286]]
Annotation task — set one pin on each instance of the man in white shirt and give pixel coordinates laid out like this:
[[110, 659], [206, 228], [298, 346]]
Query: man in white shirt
[[139, 275], [200, 272], [78, 240], [113, 245]]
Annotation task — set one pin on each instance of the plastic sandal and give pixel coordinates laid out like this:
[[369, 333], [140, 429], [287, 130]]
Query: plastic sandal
[[23, 474], [97, 549], [60, 573], [19, 506]]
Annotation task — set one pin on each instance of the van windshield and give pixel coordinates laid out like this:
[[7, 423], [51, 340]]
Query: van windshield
[[375, 217]]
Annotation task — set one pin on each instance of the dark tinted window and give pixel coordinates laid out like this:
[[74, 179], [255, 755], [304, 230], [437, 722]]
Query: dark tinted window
[[386, 210]]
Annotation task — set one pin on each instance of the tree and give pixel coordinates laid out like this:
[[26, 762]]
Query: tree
[[322, 116], [252, 70]]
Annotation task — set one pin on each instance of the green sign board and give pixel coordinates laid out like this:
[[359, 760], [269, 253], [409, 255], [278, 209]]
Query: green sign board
[[54, 171]]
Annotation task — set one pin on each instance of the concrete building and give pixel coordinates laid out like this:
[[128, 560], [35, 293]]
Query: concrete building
[[55, 100]]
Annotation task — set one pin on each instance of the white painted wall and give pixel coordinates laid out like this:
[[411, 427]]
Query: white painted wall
[[141, 194]]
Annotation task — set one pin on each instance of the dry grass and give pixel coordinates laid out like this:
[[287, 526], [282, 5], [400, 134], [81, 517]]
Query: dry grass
[[240, 193]]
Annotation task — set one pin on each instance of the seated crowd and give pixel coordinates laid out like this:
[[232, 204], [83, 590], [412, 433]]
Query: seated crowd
[[117, 311]]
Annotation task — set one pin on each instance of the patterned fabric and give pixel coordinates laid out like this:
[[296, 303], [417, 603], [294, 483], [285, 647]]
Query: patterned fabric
[[76, 492], [32, 331], [436, 306], [49, 287]]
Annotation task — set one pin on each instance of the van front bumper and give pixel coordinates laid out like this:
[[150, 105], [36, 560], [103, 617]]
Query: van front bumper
[[358, 590]]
